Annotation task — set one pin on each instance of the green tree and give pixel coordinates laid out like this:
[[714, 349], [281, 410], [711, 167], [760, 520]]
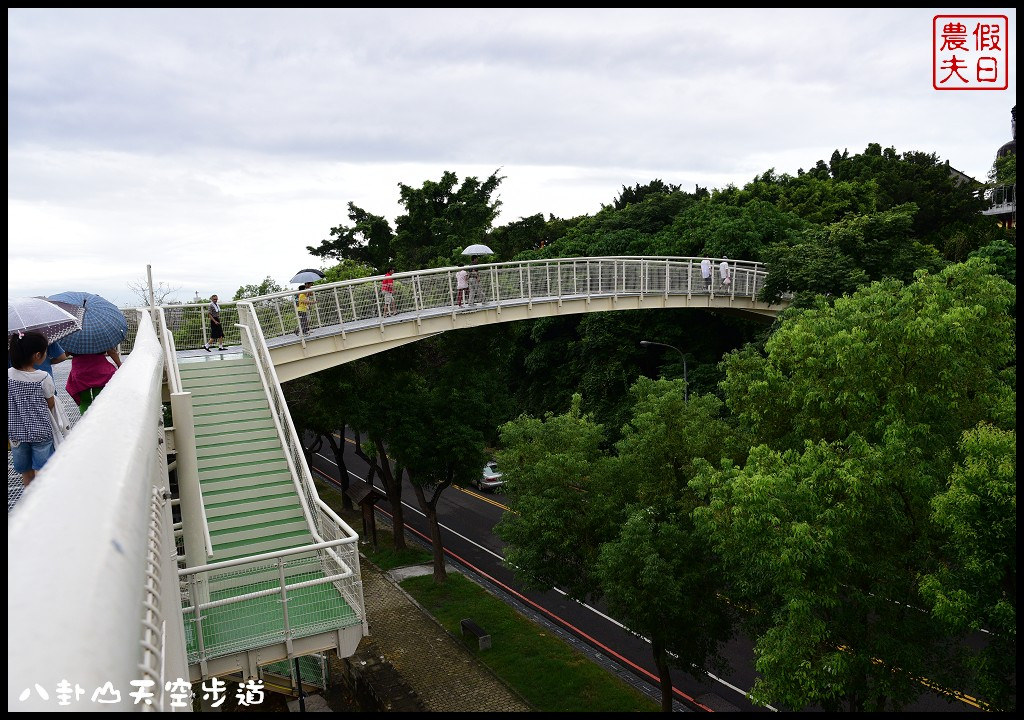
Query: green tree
[[638, 192], [838, 258], [977, 587], [347, 270], [825, 531], [318, 417], [369, 396], [563, 499], [267, 287], [442, 217], [366, 241], [1002, 256], [655, 580], [1004, 170], [658, 573], [439, 439], [922, 359], [617, 526]]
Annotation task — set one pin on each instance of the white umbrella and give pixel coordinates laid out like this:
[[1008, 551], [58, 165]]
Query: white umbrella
[[478, 250], [41, 315]]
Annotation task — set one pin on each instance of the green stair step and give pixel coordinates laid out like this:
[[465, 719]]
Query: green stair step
[[208, 431], [242, 474], [255, 518], [246, 548], [259, 502], [242, 448], [233, 394], [242, 460], [223, 406], [213, 421], [272, 483], [257, 531], [227, 438]]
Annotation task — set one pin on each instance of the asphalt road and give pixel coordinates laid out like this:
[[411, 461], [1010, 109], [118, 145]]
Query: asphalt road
[[468, 516]]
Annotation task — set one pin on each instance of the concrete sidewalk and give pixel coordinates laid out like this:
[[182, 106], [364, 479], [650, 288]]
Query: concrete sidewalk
[[444, 674]]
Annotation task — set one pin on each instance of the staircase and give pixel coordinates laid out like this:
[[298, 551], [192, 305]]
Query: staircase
[[252, 507], [248, 493]]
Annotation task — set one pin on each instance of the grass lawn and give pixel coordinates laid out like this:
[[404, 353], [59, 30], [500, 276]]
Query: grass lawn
[[552, 676], [384, 556]]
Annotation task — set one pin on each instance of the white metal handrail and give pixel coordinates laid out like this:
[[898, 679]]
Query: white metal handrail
[[259, 343], [222, 565], [352, 305], [191, 578], [170, 353], [93, 540], [324, 522], [293, 472], [355, 304]]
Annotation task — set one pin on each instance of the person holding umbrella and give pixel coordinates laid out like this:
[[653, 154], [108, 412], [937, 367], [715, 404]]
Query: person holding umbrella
[[474, 272], [302, 304], [89, 374], [474, 283], [93, 347]]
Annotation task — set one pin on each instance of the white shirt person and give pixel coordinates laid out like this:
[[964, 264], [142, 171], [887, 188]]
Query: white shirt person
[[723, 271], [705, 272]]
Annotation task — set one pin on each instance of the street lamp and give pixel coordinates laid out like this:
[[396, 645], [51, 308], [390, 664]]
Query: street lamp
[[686, 384]]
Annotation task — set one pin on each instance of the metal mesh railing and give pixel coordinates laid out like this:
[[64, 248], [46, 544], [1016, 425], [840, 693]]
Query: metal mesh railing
[[357, 304], [189, 325], [240, 605]]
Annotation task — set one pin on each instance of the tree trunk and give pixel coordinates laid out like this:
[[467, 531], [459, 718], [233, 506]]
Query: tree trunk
[[661, 662], [314, 446], [393, 489], [430, 510], [339, 457]]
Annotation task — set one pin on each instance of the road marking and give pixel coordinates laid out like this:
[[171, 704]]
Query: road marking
[[966, 699], [479, 496], [545, 610]]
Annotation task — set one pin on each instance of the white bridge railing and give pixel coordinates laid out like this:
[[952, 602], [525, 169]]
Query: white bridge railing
[[355, 304], [92, 593]]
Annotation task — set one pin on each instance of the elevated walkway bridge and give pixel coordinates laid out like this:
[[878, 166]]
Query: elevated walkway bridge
[[108, 585]]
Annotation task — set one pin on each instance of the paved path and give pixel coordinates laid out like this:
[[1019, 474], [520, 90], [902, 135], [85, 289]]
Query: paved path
[[445, 675]]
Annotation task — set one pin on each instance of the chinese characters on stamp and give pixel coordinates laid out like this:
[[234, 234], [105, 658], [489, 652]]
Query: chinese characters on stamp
[[970, 52]]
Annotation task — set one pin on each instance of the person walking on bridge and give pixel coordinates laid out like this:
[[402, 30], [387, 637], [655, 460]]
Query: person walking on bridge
[[387, 287], [474, 284], [461, 285], [724, 272], [705, 273], [216, 329], [302, 304]]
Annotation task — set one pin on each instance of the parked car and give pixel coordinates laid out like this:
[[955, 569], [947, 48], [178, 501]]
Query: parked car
[[490, 478]]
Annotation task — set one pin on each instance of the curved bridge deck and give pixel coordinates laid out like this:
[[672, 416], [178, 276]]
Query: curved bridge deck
[[352, 319]]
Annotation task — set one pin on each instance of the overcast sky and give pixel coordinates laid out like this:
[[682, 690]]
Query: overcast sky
[[215, 145]]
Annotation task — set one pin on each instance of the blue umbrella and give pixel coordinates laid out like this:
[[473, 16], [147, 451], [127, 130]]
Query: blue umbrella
[[103, 325]]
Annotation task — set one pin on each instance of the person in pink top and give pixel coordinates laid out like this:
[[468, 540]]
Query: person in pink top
[[89, 374]]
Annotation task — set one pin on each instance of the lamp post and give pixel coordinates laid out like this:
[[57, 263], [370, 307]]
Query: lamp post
[[686, 384]]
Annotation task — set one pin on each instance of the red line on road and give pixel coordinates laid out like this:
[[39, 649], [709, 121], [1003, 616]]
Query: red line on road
[[544, 610]]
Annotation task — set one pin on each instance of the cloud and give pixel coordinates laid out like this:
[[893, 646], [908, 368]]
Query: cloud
[[218, 144]]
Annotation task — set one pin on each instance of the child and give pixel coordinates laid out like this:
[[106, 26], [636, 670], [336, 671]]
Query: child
[[30, 394]]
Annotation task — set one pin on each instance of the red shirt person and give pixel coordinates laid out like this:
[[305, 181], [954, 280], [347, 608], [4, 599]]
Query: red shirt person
[[387, 286]]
